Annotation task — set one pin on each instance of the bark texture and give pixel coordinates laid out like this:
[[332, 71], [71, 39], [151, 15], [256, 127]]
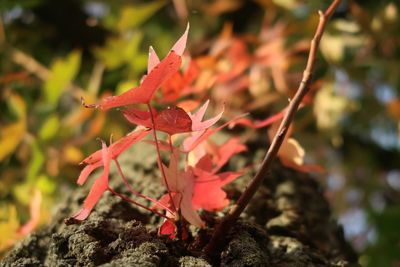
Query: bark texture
[[288, 223]]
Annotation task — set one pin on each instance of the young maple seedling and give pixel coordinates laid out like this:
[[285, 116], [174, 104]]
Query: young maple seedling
[[199, 184]]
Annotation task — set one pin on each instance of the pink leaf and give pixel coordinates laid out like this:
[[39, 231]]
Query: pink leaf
[[34, 211], [227, 151], [180, 45], [118, 147], [181, 185], [187, 208], [87, 171], [259, 123], [98, 188], [207, 191], [198, 124], [192, 142], [153, 60]]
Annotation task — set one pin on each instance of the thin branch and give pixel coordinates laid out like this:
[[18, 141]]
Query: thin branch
[[33, 66], [135, 192], [160, 164], [30, 64], [217, 241], [2, 32], [95, 78], [181, 9], [136, 203]]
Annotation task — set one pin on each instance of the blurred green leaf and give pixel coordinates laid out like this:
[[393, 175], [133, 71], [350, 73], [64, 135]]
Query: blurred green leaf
[[45, 184], [9, 225], [36, 162], [22, 193], [133, 16], [12, 134], [50, 127], [119, 51], [63, 71]]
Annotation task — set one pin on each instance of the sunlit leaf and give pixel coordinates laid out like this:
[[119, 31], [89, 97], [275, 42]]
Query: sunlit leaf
[[289, 4], [10, 137], [36, 162], [63, 71], [17, 104], [329, 107], [22, 193], [50, 127], [122, 50], [45, 184], [133, 16], [9, 225], [12, 134]]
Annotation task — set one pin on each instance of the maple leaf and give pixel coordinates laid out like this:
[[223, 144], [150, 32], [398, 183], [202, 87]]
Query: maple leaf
[[172, 120], [291, 153], [158, 73], [179, 84], [259, 123], [219, 155], [98, 188], [222, 154], [95, 160], [198, 124], [191, 142], [181, 190], [207, 191]]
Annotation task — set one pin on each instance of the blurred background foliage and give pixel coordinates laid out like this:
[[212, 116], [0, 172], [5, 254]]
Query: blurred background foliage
[[248, 53]]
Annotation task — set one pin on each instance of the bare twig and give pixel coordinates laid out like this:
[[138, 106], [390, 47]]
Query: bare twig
[[33, 66], [2, 32], [30, 64], [181, 9], [216, 243]]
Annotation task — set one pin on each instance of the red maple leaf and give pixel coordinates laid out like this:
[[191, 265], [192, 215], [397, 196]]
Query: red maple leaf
[[98, 188], [172, 120], [207, 191], [95, 160], [181, 190], [179, 84], [158, 73]]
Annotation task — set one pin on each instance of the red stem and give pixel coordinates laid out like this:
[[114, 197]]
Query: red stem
[[135, 192], [136, 203], [160, 165]]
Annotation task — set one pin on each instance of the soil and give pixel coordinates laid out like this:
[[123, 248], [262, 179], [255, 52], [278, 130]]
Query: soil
[[288, 223]]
